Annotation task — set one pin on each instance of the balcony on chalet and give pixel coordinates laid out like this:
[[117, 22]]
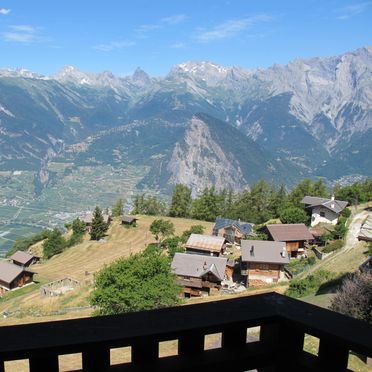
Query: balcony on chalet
[[283, 324]]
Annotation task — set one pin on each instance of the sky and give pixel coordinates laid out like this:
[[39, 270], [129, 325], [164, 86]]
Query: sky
[[120, 35]]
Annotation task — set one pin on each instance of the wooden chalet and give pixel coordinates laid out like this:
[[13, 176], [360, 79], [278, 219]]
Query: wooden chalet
[[365, 232], [294, 235], [263, 261], [198, 274], [88, 218], [23, 259], [323, 209], [129, 220], [232, 230], [13, 276], [205, 245]]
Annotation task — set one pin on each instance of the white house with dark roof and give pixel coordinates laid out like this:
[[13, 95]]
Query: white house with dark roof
[[198, 274], [324, 210], [263, 261]]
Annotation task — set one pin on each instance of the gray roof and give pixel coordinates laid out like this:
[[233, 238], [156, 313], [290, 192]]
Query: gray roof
[[289, 232], [128, 219], [264, 251], [336, 206], [208, 243], [244, 227], [196, 266], [366, 229], [22, 257], [8, 271]]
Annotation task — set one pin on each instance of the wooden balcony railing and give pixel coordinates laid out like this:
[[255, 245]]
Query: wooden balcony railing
[[283, 324]]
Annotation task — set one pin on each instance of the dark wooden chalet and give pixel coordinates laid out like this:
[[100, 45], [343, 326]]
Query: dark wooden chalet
[[205, 245], [23, 259], [294, 235], [263, 261], [129, 220], [198, 274], [13, 276], [232, 230]]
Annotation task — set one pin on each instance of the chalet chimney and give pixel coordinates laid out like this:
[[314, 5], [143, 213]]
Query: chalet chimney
[[333, 197], [284, 251], [252, 250], [205, 265], [333, 201]]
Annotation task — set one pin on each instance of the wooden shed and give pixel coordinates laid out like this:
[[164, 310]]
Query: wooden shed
[[13, 276], [23, 259]]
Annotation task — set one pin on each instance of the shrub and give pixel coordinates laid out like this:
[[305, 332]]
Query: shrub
[[333, 246], [293, 215], [346, 213], [354, 298], [303, 287]]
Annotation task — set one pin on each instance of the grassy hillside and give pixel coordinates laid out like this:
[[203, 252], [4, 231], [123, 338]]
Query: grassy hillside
[[80, 262]]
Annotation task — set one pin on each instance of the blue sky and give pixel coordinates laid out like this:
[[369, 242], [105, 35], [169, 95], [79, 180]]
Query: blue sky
[[118, 35]]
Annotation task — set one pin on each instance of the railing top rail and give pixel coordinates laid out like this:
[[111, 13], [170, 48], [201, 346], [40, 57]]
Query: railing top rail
[[170, 322]]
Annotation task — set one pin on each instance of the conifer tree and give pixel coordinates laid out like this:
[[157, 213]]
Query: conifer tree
[[117, 209], [99, 226], [181, 201]]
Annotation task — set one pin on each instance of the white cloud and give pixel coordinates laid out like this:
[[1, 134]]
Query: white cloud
[[22, 34], [230, 28], [349, 11], [114, 45], [174, 19], [4, 11], [178, 45]]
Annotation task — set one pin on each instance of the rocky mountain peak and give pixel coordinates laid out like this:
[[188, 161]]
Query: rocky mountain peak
[[140, 77]]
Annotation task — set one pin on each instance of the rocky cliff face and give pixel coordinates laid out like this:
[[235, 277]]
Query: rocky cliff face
[[199, 161]]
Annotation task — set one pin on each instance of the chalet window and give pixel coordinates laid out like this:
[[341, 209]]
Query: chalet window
[[264, 267], [186, 278], [322, 214]]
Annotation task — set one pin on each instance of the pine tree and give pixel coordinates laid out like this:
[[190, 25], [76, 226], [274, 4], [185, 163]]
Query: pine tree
[[99, 227], [117, 209], [181, 201]]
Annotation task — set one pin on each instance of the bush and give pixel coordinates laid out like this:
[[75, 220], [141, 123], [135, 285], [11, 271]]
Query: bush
[[346, 213], [333, 246], [298, 266], [303, 287], [293, 215], [354, 298]]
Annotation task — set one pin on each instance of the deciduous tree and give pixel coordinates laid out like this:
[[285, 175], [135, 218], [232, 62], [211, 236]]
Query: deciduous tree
[[141, 282]]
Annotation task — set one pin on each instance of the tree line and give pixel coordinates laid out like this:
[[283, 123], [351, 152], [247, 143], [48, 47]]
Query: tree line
[[257, 205]]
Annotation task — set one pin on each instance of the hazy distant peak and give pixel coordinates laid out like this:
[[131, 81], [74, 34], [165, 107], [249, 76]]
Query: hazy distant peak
[[140, 77], [21, 72]]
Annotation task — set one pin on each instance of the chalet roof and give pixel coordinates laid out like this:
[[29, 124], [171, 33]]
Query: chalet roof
[[22, 257], [196, 266], [208, 243], [334, 205], [244, 227], [8, 271], [289, 232], [128, 219], [365, 232], [264, 251]]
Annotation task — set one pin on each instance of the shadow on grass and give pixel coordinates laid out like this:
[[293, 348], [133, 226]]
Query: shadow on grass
[[332, 285]]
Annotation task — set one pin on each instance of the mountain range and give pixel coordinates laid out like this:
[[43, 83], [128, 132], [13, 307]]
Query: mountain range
[[202, 124]]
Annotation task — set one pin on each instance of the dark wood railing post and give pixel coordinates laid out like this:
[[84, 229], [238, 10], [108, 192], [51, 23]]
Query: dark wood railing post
[[47, 363], [234, 337], [284, 340], [2, 368], [96, 358], [191, 343], [145, 351], [332, 355]]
